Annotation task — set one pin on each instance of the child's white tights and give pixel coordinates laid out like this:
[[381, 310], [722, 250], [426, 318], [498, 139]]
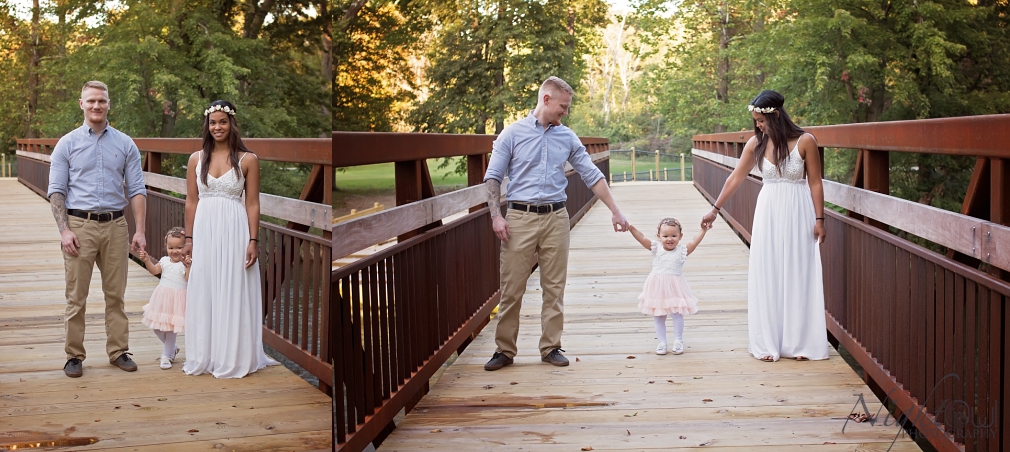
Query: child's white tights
[[168, 339], [678, 327]]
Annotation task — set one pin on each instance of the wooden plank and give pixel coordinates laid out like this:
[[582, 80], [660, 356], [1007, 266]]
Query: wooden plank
[[271, 409], [602, 395]]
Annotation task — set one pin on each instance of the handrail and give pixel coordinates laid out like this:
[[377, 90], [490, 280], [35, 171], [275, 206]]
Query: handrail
[[977, 136], [377, 227], [984, 240], [314, 151], [295, 210]]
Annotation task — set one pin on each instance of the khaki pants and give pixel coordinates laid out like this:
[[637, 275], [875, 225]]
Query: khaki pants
[[106, 244], [548, 235]]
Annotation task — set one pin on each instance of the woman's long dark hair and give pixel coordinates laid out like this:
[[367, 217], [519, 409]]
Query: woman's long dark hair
[[234, 141], [780, 128]]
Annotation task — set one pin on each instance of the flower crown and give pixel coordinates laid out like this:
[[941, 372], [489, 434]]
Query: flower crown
[[760, 110], [223, 108]]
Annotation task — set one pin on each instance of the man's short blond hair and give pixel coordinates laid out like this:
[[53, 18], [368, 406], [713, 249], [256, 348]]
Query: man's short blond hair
[[96, 84], [554, 85]]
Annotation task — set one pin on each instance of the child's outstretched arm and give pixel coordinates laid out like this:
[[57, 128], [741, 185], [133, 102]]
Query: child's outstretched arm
[[150, 264], [640, 237], [696, 240], [188, 262]]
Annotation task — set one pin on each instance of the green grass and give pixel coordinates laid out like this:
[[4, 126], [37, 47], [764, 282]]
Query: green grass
[[382, 176], [618, 166]]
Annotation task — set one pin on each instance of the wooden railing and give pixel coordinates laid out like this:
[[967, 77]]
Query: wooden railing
[[294, 265], [929, 332], [403, 311]]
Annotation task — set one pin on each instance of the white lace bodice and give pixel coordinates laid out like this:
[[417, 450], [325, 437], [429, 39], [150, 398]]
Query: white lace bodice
[[229, 185], [668, 262], [792, 168], [173, 274]]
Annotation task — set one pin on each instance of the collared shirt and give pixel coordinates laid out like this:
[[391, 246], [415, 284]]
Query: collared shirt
[[534, 159], [91, 169]]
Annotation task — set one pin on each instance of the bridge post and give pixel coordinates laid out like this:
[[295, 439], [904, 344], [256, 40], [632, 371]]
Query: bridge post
[[413, 183], [872, 173], [476, 166]]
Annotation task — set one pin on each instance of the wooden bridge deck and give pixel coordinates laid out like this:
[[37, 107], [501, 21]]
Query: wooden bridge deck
[[714, 395], [151, 409]]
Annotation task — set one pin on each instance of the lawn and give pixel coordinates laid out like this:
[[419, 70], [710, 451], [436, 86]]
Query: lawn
[[381, 176]]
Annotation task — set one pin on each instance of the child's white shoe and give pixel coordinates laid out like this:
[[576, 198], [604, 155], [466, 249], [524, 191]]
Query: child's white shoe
[[166, 362], [661, 348], [678, 347]]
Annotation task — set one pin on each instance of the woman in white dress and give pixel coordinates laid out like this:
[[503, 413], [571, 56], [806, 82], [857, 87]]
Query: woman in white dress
[[224, 311], [785, 291]]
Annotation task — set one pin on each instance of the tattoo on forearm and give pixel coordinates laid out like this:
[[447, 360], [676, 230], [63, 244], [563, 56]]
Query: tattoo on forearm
[[58, 203], [493, 196]]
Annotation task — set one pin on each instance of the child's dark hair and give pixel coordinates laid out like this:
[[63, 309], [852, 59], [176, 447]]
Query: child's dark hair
[[176, 232], [669, 222]]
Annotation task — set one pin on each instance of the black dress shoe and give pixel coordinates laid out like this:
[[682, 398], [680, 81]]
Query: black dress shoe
[[498, 360], [124, 362], [74, 368], [556, 358]]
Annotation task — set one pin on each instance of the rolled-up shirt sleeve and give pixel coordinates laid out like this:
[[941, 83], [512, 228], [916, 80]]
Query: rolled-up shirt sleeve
[[583, 163], [501, 154], [59, 168], [134, 175]]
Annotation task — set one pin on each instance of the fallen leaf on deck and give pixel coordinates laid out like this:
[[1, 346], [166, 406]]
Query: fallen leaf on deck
[[193, 430], [513, 383], [829, 442], [669, 381], [631, 356], [488, 386], [683, 437], [626, 390], [162, 399], [577, 359], [631, 415], [98, 420], [652, 381], [705, 443], [697, 378], [437, 430], [587, 448], [629, 432], [117, 407], [136, 405], [22, 380], [82, 387], [706, 400]]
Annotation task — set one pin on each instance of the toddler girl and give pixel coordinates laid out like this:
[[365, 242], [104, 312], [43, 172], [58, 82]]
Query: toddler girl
[[166, 312], [666, 292]]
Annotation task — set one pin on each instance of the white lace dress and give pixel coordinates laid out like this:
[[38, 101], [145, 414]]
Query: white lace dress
[[224, 310], [785, 292]]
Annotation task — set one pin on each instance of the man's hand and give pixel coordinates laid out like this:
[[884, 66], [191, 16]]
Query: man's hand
[[69, 242], [187, 249], [501, 228], [139, 242], [620, 222]]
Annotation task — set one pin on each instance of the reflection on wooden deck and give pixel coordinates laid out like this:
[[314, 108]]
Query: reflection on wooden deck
[[617, 394], [151, 409]]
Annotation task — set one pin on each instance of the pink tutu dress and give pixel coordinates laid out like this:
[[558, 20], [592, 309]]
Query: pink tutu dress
[[167, 309], [666, 291]]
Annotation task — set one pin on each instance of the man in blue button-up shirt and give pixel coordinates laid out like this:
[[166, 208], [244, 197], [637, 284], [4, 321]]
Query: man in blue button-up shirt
[[95, 171], [533, 152]]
